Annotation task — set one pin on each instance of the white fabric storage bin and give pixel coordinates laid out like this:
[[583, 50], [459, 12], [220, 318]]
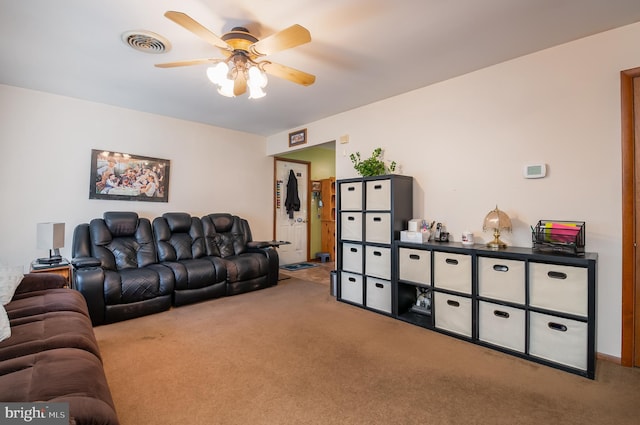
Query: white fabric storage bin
[[378, 294], [557, 339], [352, 256], [559, 288], [453, 313], [378, 195], [501, 325], [452, 271], [377, 262], [414, 265], [501, 279], [351, 287], [351, 226], [351, 196], [377, 227]]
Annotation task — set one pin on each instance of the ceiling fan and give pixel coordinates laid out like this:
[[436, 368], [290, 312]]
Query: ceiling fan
[[242, 66]]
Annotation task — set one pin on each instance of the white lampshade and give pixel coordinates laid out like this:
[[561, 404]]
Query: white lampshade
[[226, 88], [257, 78], [50, 236], [256, 92], [218, 73]]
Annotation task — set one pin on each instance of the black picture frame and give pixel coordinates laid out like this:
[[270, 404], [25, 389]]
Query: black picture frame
[[128, 177], [298, 137]]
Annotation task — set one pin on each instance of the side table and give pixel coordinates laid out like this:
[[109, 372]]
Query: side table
[[63, 268]]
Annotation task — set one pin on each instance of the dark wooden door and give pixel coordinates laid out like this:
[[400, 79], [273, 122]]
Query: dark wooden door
[[630, 95]]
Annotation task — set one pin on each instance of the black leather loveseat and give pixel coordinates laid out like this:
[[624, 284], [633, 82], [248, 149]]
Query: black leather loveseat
[[126, 267]]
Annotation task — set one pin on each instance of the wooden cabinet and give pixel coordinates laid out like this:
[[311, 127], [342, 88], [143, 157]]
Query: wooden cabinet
[[63, 269], [328, 217], [533, 305]]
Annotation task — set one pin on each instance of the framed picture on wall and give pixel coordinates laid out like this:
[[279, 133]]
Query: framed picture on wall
[[128, 177], [298, 137]]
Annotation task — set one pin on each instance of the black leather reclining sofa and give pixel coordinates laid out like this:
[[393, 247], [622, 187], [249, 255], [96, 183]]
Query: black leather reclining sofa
[[127, 266]]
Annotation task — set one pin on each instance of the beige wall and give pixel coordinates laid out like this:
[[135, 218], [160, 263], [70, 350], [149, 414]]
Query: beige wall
[[45, 146], [466, 140]]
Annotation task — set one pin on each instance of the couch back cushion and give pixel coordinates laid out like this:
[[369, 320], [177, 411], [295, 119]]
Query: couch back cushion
[[178, 236], [224, 234], [122, 240]]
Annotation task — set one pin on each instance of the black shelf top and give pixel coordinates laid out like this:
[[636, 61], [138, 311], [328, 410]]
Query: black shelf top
[[508, 252]]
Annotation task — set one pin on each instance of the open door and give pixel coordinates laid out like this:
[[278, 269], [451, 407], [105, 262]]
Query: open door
[[292, 225]]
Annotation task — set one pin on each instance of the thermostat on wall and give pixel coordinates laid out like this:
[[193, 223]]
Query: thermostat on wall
[[535, 171]]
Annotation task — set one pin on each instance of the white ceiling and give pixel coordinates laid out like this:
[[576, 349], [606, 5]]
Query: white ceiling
[[361, 51]]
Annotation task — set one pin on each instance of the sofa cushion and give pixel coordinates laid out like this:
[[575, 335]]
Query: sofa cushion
[[60, 375], [38, 302], [47, 331], [247, 266]]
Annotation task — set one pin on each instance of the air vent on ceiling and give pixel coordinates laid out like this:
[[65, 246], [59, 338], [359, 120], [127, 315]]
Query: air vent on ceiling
[[146, 41]]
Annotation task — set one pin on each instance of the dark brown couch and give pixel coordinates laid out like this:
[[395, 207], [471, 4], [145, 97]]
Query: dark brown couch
[[52, 354]]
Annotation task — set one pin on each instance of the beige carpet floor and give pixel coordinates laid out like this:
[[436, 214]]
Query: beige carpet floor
[[292, 354]]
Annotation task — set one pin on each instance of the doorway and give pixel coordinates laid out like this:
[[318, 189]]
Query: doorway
[[630, 96], [322, 159], [291, 223]]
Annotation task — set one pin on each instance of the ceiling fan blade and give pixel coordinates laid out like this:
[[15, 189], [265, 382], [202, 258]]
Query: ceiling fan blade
[[293, 36], [190, 24], [187, 63], [240, 84], [288, 73]]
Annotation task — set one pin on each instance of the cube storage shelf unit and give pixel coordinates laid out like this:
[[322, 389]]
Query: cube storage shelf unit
[[538, 306], [371, 213], [535, 305]]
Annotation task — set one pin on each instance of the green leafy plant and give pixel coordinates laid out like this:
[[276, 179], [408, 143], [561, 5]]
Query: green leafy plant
[[372, 166]]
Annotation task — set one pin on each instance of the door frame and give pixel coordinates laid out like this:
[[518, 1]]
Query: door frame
[[629, 252], [275, 186]]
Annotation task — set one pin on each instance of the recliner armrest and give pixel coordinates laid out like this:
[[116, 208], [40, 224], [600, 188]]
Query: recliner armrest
[[266, 244], [89, 281], [81, 262], [274, 260]]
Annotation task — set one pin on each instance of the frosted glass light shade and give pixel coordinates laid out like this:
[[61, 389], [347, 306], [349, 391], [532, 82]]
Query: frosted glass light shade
[[218, 73]]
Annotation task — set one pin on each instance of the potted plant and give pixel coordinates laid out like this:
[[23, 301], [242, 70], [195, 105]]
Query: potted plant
[[372, 166]]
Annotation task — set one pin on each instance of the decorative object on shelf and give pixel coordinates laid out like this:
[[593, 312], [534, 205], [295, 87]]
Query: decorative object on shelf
[[298, 137], [372, 166], [562, 237], [423, 301], [497, 221], [467, 237], [50, 236]]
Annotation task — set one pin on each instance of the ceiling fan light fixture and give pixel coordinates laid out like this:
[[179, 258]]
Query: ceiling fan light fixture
[[256, 82], [217, 74], [226, 88], [257, 78], [236, 74], [256, 92]]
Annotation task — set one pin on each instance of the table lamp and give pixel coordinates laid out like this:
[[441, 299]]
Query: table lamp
[[50, 236], [497, 221]]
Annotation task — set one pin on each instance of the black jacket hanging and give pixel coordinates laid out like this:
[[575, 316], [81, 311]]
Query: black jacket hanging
[[292, 203]]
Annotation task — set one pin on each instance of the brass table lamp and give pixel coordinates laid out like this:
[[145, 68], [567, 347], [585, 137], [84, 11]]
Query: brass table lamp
[[497, 221]]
